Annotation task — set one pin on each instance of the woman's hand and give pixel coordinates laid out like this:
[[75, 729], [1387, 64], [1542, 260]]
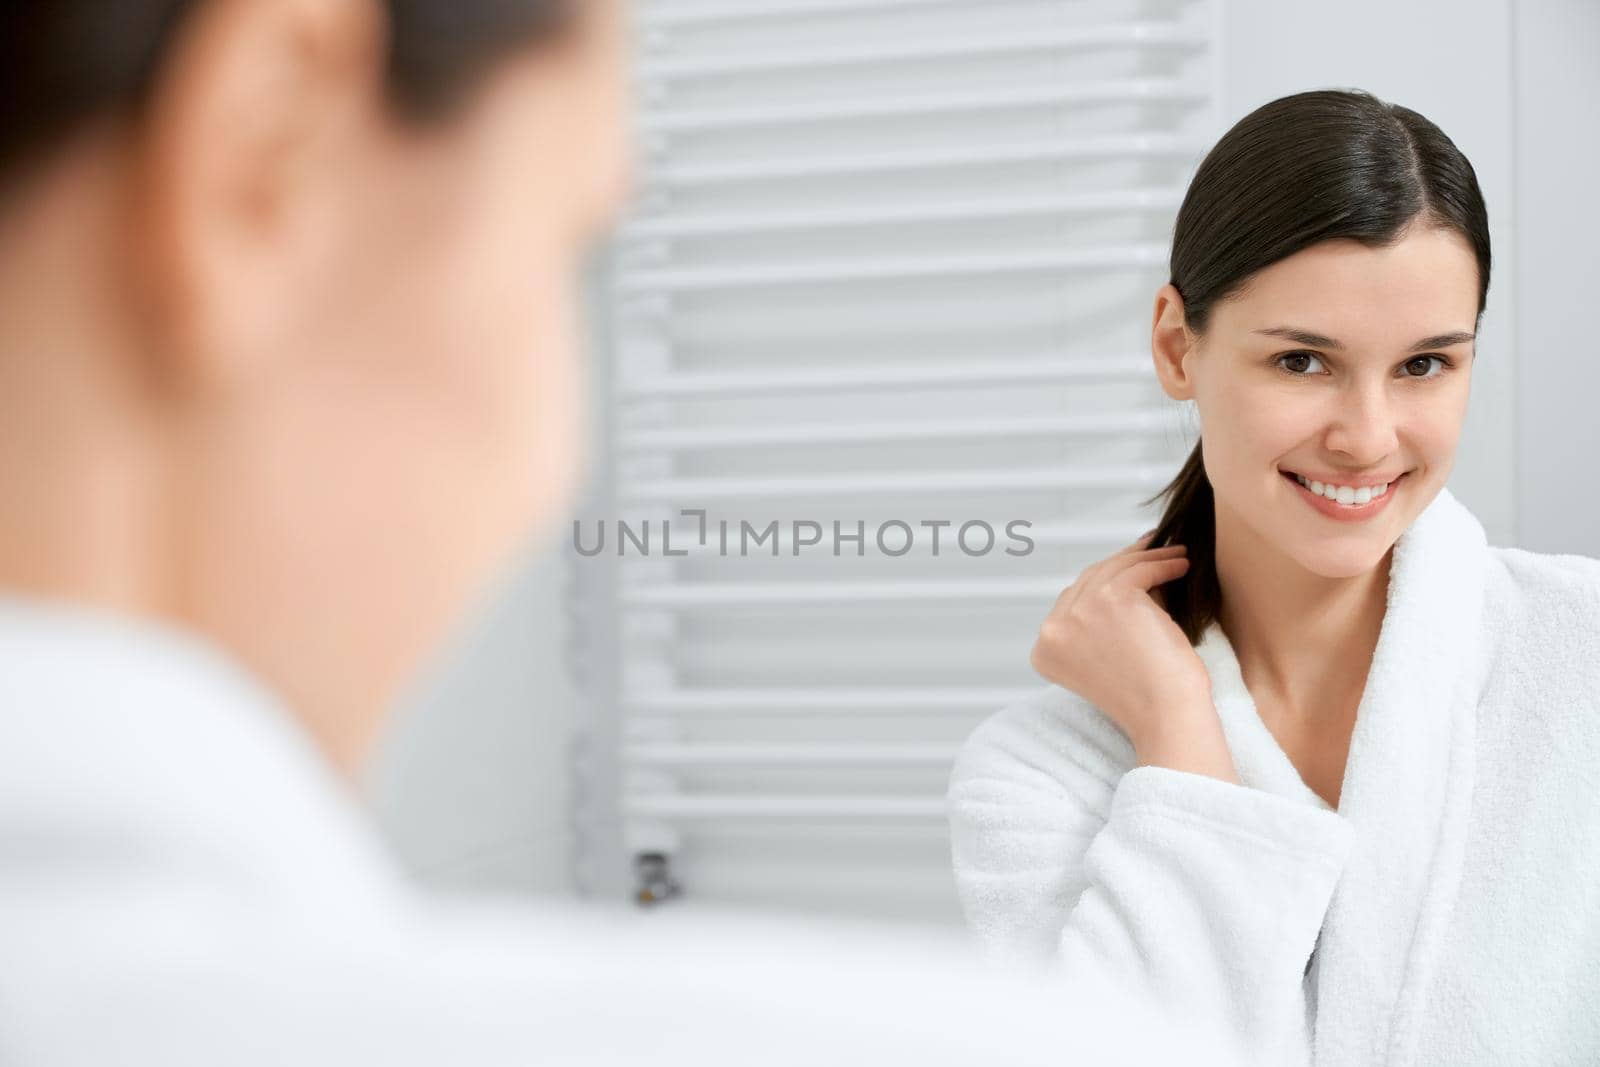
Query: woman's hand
[[1109, 640]]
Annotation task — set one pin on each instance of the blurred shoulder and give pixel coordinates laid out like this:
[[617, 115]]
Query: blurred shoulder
[[1050, 737]]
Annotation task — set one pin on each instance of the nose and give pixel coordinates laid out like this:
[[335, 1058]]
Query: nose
[[1363, 426]]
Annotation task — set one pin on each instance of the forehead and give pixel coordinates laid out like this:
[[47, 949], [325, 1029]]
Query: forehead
[[1369, 298]]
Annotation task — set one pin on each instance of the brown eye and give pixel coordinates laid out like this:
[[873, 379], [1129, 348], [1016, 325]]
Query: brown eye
[[1425, 363], [1297, 362]]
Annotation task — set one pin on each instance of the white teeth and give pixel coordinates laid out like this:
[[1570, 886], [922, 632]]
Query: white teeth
[[1344, 494]]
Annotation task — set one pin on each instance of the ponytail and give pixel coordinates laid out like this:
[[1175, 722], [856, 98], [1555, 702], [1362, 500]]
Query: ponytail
[[1195, 600]]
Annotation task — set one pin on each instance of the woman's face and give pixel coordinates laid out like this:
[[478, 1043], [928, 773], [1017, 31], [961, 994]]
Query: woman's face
[[1345, 365]]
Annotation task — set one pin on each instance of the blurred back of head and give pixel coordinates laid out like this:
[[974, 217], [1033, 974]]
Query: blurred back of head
[[289, 356]]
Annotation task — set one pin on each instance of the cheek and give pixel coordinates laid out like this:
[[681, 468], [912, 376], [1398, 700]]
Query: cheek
[[1247, 430], [528, 400], [1436, 427], [485, 361]]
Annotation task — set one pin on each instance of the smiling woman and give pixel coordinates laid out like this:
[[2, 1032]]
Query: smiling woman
[[1363, 239], [1316, 757]]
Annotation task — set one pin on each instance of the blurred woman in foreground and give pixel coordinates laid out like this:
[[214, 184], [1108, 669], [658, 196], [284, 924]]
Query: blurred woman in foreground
[[287, 373]]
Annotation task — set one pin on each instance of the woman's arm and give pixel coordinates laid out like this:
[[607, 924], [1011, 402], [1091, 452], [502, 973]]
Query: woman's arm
[[1191, 894]]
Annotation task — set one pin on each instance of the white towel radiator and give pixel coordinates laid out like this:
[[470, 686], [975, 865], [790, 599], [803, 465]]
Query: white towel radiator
[[892, 262]]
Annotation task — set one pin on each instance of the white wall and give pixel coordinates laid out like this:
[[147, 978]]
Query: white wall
[[1556, 53], [474, 784]]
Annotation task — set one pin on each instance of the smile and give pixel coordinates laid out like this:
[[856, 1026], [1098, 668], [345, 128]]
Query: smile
[[1345, 502]]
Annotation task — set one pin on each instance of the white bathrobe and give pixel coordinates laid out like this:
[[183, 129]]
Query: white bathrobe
[[1452, 900], [184, 883]]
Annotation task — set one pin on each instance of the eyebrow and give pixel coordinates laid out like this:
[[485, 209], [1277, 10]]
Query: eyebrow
[[1317, 340]]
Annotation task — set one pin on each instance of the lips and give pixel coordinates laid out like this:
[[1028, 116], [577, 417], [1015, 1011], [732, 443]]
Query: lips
[[1348, 505]]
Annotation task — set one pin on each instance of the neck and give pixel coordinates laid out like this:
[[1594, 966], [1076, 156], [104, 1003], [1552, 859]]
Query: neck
[[84, 493], [1302, 638]]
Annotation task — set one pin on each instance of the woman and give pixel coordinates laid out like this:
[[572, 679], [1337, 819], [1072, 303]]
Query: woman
[[1317, 761], [287, 374]]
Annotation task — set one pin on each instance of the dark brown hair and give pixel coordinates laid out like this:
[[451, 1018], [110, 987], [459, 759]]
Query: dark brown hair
[[63, 62], [1304, 168]]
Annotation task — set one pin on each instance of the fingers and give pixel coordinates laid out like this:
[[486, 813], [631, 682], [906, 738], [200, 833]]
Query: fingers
[[1153, 572], [1110, 568], [1114, 565]]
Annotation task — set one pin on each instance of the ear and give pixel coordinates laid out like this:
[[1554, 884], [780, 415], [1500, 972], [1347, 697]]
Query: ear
[[1171, 344], [237, 157]]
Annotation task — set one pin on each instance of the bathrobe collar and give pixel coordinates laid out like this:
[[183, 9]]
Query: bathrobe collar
[[1406, 790]]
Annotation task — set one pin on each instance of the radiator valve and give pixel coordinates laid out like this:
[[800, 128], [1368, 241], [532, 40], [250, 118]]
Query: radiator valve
[[653, 875]]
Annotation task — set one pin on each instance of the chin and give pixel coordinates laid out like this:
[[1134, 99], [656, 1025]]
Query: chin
[[1342, 561]]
